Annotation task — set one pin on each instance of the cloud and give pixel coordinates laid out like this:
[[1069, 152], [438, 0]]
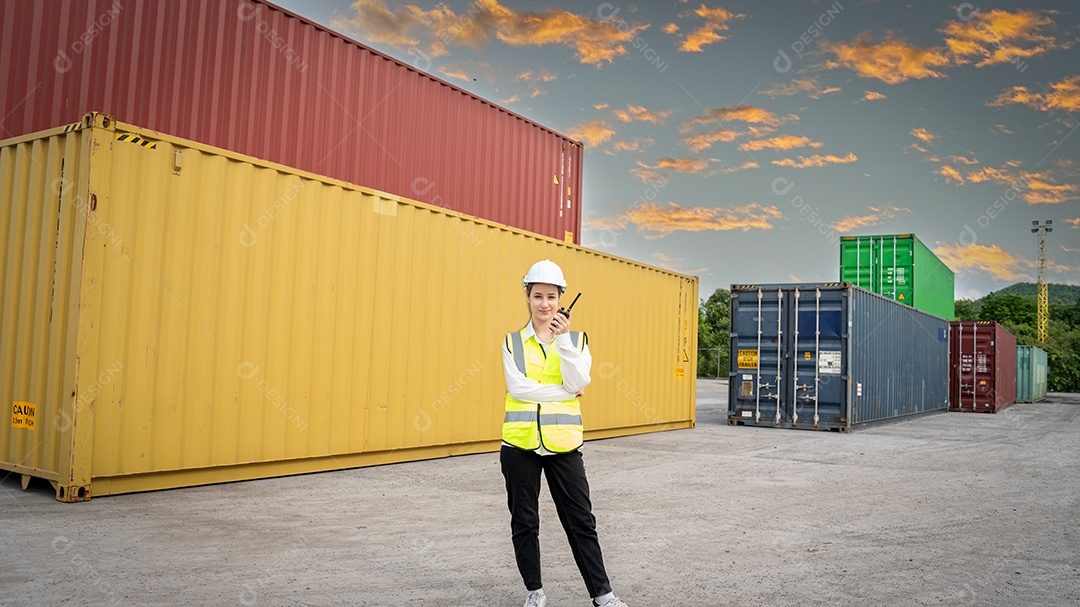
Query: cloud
[[809, 86], [1043, 190], [670, 28], [510, 100], [873, 96], [541, 76], [637, 144], [1074, 222], [874, 217], [742, 167], [1063, 95], [681, 165], [817, 160], [1001, 128], [658, 221], [594, 41], [892, 61], [639, 113], [676, 264], [923, 135], [716, 21], [593, 132], [761, 122], [963, 160], [950, 174], [457, 73], [780, 142], [600, 106], [992, 260], [999, 36]]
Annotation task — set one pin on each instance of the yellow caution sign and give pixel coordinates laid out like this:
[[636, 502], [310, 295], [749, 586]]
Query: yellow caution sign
[[23, 415], [679, 372], [806, 356], [568, 237], [747, 359], [901, 297], [130, 138], [685, 358], [555, 178]]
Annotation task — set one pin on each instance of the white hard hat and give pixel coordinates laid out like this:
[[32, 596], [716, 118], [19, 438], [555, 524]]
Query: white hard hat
[[546, 272]]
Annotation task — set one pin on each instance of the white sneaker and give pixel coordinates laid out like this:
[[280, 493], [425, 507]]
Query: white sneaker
[[536, 598], [615, 602]]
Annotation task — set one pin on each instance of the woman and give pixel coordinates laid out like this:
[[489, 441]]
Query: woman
[[547, 368]]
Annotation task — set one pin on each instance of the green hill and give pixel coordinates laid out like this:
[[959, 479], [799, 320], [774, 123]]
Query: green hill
[[1066, 294]]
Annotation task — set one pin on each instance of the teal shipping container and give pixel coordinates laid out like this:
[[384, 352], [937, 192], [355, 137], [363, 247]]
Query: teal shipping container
[[900, 267], [1031, 372]]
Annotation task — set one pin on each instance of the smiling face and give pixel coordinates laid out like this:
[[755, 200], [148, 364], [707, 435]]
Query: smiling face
[[543, 302]]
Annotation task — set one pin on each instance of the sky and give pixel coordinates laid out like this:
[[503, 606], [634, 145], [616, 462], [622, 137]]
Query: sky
[[737, 140]]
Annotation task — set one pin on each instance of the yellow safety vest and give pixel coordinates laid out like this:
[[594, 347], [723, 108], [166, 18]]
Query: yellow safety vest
[[557, 425]]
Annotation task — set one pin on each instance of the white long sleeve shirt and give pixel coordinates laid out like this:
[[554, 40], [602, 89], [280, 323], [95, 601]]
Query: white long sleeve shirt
[[574, 365]]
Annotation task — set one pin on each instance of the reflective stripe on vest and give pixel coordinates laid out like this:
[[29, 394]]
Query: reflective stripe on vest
[[557, 426]]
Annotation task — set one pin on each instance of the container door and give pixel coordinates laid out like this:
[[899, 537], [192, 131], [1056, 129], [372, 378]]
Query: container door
[[757, 356], [817, 390], [973, 366]]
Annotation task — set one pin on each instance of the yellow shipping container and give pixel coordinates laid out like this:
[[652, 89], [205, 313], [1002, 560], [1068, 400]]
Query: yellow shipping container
[[173, 314]]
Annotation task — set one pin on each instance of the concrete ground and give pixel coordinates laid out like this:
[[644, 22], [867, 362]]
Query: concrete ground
[[951, 509]]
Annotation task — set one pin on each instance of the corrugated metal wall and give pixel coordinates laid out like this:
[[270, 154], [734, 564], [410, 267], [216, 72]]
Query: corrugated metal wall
[[983, 367], [240, 319], [1031, 371], [251, 77], [830, 356]]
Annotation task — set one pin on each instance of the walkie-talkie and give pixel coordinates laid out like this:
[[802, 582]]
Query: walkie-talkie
[[566, 312]]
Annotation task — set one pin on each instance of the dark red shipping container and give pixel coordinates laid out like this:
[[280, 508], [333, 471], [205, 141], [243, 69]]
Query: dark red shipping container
[[249, 76], [983, 377]]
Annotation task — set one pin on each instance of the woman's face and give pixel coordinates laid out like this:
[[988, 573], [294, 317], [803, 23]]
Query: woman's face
[[543, 302]]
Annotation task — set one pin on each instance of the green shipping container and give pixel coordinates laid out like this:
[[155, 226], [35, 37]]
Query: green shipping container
[[900, 267], [1030, 374]]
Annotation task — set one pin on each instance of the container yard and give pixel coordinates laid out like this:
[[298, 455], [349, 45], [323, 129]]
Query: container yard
[[326, 103], [832, 357], [984, 367], [900, 267], [1030, 374], [175, 314]]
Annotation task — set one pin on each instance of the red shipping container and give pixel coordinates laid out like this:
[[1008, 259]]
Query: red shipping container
[[983, 359], [251, 77]]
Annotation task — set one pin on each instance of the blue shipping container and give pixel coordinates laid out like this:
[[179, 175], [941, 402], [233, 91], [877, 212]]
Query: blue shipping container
[[832, 356]]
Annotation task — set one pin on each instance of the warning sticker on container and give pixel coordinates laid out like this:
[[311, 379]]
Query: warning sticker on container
[[23, 415], [679, 372], [747, 359], [829, 362]]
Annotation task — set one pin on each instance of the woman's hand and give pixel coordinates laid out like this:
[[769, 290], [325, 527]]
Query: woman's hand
[[560, 324]]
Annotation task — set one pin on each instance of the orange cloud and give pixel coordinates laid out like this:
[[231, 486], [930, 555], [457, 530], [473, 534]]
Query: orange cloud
[[963, 160], [892, 61], [454, 72], [670, 28], [600, 106], [999, 36], [594, 41], [742, 167], [875, 217], [593, 132], [716, 21], [704, 141], [1042, 190], [817, 160], [660, 221], [541, 76], [873, 96], [950, 174], [1074, 222], [923, 135], [780, 142], [809, 86], [639, 113], [637, 144], [682, 165], [993, 260], [740, 113], [511, 99], [1063, 95]]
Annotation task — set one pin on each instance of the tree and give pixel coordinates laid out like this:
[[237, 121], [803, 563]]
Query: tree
[[1008, 308], [714, 331], [966, 310]]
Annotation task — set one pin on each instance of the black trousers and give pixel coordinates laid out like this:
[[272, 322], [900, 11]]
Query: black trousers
[[570, 491]]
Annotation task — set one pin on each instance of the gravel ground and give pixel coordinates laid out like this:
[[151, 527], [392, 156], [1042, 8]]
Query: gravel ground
[[950, 509]]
